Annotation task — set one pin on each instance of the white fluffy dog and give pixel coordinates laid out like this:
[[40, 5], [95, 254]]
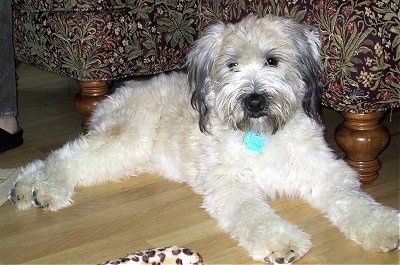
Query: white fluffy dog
[[256, 88]]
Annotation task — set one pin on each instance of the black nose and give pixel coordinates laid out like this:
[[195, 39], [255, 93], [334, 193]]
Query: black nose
[[254, 102]]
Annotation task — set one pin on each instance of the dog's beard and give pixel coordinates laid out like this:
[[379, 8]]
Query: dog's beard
[[280, 107], [270, 121]]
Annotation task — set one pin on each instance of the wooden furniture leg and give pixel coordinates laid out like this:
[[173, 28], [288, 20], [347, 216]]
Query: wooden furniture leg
[[90, 94], [363, 137]]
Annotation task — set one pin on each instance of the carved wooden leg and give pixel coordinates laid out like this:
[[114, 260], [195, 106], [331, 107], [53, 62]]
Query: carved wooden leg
[[90, 94], [362, 137]]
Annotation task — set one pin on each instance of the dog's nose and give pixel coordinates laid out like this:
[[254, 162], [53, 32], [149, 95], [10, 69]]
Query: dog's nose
[[255, 102]]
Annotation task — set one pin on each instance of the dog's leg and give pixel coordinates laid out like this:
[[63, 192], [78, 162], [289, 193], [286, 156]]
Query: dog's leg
[[353, 211], [242, 211], [90, 159]]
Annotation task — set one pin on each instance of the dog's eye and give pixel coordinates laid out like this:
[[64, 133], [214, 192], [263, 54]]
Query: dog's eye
[[271, 61], [232, 65]]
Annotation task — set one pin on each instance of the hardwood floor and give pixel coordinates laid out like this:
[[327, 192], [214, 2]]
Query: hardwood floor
[[110, 221]]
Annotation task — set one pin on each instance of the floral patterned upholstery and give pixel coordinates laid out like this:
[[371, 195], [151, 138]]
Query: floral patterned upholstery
[[104, 40], [110, 39]]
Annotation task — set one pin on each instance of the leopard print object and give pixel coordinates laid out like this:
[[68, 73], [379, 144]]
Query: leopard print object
[[170, 255]]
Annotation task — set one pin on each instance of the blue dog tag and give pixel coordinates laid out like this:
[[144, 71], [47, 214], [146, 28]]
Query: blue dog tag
[[254, 142]]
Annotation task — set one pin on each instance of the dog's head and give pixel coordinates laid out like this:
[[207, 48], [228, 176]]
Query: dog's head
[[256, 74]]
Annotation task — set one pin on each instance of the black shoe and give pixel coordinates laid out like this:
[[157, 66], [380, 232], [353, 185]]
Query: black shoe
[[10, 141]]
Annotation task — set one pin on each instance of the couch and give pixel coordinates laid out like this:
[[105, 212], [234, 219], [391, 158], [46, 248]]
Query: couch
[[98, 41]]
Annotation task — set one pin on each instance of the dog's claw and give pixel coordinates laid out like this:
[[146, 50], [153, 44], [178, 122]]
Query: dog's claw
[[392, 244], [37, 202], [13, 196]]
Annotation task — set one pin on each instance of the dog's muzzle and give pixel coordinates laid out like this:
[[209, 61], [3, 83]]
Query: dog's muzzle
[[255, 105]]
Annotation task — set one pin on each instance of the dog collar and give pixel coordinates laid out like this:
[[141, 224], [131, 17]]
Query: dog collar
[[254, 141]]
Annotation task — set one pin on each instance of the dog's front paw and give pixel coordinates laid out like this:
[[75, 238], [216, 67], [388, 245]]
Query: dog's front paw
[[43, 196], [33, 189], [385, 233], [286, 256], [283, 248]]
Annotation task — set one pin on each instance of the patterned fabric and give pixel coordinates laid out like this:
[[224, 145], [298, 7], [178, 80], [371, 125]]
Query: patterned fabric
[[146, 37], [111, 39], [69, 5]]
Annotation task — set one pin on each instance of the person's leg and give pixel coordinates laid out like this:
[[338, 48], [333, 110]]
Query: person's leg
[[9, 124], [10, 133]]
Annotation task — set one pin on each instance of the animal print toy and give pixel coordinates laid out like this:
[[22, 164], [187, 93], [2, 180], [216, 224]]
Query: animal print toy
[[170, 255]]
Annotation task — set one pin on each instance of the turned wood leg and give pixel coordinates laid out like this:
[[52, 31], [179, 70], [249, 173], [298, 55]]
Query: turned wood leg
[[90, 94], [363, 137]]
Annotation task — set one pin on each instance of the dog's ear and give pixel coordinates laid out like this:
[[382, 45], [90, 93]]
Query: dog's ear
[[199, 64], [312, 72]]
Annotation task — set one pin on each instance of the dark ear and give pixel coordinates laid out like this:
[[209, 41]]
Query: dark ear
[[312, 73], [199, 65]]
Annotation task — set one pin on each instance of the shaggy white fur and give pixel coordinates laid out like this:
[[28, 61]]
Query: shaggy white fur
[[260, 76]]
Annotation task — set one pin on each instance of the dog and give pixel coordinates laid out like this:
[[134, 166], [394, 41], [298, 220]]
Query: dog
[[241, 126]]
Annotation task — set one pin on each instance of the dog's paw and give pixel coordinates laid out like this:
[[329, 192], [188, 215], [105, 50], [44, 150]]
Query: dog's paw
[[286, 256], [43, 196], [385, 235], [283, 248], [33, 189]]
